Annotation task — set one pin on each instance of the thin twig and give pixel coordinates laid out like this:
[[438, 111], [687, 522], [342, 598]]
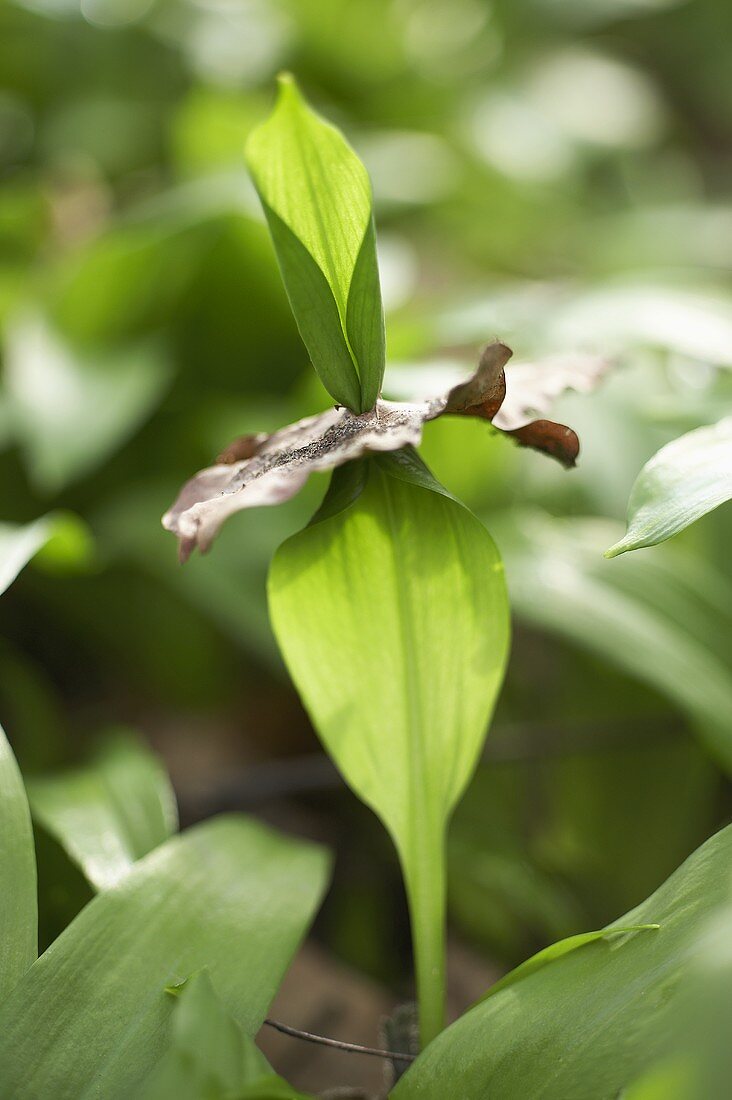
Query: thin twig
[[352, 1048]]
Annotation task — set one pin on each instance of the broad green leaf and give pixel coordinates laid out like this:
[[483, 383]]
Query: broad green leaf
[[556, 951], [682, 482], [210, 1057], [317, 199], [698, 1059], [70, 411], [18, 906], [91, 1017], [664, 618], [393, 621], [109, 813], [594, 1020], [671, 1080]]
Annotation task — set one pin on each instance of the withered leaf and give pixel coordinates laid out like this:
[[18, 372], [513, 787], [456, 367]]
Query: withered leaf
[[282, 464], [265, 469], [484, 393]]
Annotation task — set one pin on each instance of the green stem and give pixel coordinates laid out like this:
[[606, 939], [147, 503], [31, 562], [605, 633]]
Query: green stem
[[427, 894]]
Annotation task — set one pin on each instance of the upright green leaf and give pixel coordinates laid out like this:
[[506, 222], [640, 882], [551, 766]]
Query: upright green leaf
[[210, 1057], [110, 812], [393, 620], [682, 482], [18, 905], [590, 1022], [317, 199], [91, 1017]]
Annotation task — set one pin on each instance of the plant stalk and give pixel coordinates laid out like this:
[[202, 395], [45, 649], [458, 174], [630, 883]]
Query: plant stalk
[[426, 884]]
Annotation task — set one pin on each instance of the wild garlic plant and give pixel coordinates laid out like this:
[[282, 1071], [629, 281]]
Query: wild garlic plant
[[390, 608]]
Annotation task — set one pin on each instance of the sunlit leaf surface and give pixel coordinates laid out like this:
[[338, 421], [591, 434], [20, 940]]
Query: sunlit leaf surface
[[682, 482], [392, 618], [317, 198], [110, 812]]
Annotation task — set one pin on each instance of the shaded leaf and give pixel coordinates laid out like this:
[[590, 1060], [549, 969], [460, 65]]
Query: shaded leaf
[[402, 673], [91, 1017], [60, 541], [210, 1057], [682, 482], [317, 199], [663, 618], [18, 907], [18, 544], [109, 813], [592, 1021], [697, 1062], [69, 411]]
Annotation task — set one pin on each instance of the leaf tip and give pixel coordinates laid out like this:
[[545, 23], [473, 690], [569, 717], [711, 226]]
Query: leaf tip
[[287, 89]]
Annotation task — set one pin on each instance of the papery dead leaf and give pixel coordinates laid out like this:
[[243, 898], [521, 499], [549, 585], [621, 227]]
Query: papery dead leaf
[[265, 469], [282, 463]]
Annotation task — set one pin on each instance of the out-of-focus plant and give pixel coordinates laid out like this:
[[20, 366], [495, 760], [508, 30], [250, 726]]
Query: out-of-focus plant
[[685, 480], [95, 1010]]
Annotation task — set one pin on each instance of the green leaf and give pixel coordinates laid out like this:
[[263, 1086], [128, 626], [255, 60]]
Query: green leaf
[[18, 544], [91, 1017], [60, 539], [393, 621], [210, 1057], [682, 482], [71, 411], [595, 1019], [664, 618], [18, 905], [316, 196], [698, 1059], [556, 951], [109, 813]]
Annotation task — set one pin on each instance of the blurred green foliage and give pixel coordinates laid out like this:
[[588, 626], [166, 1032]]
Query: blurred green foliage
[[555, 172]]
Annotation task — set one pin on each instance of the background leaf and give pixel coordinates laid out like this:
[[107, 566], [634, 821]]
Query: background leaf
[[70, 409], [592, 1020], [664, 619], [18, 907], [110, 812], [60, 540], [317, 198], [92, 1017], [402, 673], [682, 482]]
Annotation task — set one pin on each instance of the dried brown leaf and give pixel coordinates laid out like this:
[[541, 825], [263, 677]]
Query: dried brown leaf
[[265, 469]]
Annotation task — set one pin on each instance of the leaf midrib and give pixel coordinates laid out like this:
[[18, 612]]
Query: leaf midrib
[[332, 273], [416, 820]]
